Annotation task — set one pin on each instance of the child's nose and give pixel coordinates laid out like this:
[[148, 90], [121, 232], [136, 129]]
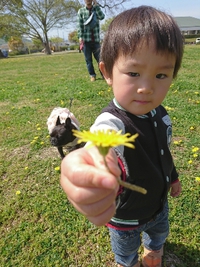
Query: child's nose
[[145, 88]]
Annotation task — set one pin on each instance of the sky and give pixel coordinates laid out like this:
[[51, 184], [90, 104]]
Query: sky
[[176, 8]]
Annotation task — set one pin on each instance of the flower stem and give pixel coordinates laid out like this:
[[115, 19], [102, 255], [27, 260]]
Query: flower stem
[[127, 185]]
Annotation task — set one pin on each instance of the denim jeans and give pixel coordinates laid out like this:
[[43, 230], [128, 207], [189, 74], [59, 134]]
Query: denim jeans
[[90, 48], [125, 244]]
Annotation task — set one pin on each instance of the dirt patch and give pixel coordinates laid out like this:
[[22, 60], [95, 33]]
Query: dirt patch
[[48, 152]]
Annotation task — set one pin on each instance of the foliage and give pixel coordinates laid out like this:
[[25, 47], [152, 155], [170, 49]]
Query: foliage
[[38, 226], [15, 43], [73, 37], [9, 23], [105, 25], [39, 17], [37, 43], [56, 39]]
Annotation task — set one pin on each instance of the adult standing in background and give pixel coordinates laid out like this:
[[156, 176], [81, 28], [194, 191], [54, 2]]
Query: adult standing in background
[[90, 37]]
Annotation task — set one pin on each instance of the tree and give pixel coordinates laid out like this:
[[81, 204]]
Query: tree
[[16, 44], [55, 43], [105, 25], [73, 37], [7, 20], [112, 6], [39, 16], [35, 18], [37, 43]]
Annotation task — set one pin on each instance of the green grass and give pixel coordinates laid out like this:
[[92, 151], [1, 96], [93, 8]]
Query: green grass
[[39, 228]]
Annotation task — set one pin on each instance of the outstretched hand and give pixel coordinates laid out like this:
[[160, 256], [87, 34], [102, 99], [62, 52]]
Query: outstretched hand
[[89, 186]]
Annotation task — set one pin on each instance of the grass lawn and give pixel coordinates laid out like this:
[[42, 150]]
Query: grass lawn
[[38, 226]]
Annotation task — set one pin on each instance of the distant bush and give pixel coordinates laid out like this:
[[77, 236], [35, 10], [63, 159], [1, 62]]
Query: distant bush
[[74, 47], [63, 48]]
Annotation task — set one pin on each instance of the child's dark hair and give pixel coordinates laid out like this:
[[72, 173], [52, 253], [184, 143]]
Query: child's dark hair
[[131, 28]]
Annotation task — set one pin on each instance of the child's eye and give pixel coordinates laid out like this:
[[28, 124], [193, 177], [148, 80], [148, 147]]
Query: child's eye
[[161, 76], [133, 74]]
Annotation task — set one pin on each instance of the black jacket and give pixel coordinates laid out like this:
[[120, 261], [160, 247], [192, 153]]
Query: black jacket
[[149, 165]]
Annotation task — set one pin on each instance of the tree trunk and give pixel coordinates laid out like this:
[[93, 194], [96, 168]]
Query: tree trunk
[[46, 45]]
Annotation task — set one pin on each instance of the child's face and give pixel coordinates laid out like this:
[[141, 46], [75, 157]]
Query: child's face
[[141, 81]]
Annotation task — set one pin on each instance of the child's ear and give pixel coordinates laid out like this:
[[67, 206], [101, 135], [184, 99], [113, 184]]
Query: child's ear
[[105, 74]]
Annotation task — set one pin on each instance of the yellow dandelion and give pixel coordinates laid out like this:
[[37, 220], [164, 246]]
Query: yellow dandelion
[[18, 192], [197, 179], [36, 137], [169, 108], [39, 129], [57, 168], [192, 128], [190, 161], [26, 168], [195, 149], [176, 142], [42, 143], [104, 140], [195, 155]]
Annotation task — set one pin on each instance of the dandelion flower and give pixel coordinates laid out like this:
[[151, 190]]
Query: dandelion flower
[[104, 140], [195, 149], [195, 155], [190, 161], [18, 192], [57, 168], [26, 168], [176, 142], [197, 179]]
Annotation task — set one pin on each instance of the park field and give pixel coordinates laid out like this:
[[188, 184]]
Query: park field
[[38, 226]]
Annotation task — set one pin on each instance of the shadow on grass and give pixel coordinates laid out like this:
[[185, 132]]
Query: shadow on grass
[[178, 255]]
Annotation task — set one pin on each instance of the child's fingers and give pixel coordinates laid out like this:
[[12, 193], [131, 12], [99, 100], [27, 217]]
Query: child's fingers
[[84, 170]]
